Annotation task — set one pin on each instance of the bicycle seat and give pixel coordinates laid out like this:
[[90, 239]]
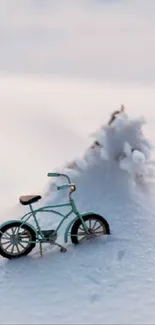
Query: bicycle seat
[[28, 199]]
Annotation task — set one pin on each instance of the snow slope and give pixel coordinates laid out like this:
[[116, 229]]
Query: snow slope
[[108, 281]]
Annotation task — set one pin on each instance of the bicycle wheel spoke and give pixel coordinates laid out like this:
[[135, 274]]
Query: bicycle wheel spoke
[[12, 230], [24, 236], [7, 233], [8, 246], [94, 224], [83, 238], [12, 250], [98, 232], [5, 237], [6, 242], [17, 248], [100, 226], [21, 245], [81, 227], [81, 233], [23, 241], [85, 224]]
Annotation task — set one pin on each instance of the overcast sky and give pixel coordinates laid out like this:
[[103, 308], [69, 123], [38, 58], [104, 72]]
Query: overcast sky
[[112, 40]]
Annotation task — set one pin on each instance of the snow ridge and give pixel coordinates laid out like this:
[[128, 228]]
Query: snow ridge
[[121, 142]]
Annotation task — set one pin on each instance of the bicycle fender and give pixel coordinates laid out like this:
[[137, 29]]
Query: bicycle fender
[[19, 221], [71, 223]]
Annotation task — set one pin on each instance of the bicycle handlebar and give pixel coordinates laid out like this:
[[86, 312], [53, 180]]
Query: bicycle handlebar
[[64, 186], [59, 174], [53, 174]]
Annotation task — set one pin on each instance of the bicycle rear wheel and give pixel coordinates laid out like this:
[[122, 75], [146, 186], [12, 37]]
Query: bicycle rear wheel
[[16, 240]]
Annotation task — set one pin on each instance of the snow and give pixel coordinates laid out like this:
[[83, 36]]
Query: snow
[[108, 281], [58, 88]]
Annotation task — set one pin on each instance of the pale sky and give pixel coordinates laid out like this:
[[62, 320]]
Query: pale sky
[[111, 40]]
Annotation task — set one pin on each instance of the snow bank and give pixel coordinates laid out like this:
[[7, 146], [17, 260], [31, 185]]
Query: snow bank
[[121, 144], [112, 273]]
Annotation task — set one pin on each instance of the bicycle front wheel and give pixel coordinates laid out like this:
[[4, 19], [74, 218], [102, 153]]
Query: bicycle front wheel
[[97, 226]]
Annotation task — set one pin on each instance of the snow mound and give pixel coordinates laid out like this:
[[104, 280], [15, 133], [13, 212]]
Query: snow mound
[[111, 273], [119, 145]]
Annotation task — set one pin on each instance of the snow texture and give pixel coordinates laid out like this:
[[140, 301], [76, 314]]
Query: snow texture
[[111, 280], [121, 141]]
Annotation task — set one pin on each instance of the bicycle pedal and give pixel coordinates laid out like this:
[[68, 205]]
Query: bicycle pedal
[[63, 250]]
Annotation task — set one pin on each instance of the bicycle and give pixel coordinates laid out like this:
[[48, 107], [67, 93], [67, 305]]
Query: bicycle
[[19, 237]]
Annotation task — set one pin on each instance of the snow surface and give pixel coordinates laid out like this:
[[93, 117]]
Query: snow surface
[[108, 281], [98, 55]]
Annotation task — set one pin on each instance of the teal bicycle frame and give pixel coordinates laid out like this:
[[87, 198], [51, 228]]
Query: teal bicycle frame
[[31, 233], [40, 237], [51, 208]]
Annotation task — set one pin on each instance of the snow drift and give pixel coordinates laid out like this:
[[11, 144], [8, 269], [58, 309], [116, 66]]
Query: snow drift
[[113, 179], [118, 145], [97, 282], [115, 175]]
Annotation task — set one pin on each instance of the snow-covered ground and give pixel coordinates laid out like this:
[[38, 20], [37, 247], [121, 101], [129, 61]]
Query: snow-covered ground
[[100, 55], [101, 282]]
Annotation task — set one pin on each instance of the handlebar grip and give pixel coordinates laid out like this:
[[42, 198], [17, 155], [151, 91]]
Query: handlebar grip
[[53, 174], [63, 187]]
